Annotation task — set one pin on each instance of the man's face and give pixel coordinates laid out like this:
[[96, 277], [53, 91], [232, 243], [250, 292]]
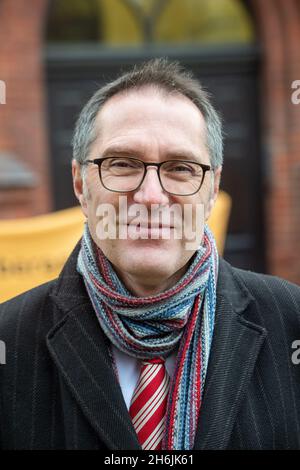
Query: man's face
[[154, 127]]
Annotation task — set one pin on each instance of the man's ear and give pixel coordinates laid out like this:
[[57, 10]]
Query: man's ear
[[78, 185], [214, 192]]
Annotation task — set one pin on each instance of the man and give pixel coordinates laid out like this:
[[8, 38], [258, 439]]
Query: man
[[148, 339]]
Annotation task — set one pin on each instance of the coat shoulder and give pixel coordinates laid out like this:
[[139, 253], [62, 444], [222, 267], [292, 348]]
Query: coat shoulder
[[24, 308], [272, 294], [266, 284]]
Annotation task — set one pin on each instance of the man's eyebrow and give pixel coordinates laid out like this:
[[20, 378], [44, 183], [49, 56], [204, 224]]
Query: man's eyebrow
[[134, 152], [125, 151], [184, 155]]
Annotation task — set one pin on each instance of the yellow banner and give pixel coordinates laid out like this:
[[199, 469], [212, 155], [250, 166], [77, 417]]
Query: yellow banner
[[33, 250]]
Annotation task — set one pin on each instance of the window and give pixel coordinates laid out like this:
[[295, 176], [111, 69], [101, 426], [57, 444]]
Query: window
[[142, 22]]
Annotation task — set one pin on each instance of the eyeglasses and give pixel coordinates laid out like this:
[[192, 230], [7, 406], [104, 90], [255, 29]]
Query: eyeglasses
[[126, 174]]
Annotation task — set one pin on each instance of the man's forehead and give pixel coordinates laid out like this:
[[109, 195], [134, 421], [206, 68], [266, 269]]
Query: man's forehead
[[157, 96], [149, 128], [150, 124]]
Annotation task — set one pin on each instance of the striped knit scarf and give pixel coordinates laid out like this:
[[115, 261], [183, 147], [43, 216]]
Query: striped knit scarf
[[147, 327]]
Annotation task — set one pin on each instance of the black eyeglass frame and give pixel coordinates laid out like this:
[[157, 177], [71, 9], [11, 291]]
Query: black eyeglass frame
[[99, 161]]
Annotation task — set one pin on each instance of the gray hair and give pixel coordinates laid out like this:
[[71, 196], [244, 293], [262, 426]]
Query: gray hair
[[165, 75]]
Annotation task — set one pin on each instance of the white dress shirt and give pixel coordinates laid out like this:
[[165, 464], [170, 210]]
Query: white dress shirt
[[129, 371]]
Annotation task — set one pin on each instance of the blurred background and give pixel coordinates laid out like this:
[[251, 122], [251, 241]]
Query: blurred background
[[54, 54]]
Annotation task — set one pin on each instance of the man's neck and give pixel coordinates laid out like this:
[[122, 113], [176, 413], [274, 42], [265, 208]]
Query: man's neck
[[149, 287]]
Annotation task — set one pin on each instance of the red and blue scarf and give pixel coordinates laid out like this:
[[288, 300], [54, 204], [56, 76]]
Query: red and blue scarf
[[147, 327]]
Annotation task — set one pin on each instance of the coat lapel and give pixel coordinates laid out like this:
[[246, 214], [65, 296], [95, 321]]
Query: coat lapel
[[79, 350], [235, 348]]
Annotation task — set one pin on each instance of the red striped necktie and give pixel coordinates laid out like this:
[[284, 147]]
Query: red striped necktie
[[149, 403]]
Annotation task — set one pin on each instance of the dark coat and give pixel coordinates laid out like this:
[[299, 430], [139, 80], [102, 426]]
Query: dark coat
[[58, 389]]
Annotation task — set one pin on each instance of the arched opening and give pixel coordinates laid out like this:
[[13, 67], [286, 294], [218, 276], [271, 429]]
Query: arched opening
[[89, 41], [137, 22]]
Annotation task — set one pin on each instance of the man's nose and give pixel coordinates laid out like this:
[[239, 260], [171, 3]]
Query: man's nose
[[151, 191]]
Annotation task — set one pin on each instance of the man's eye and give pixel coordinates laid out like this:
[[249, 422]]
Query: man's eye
[[179, 169], [183, 168], [122, 164]]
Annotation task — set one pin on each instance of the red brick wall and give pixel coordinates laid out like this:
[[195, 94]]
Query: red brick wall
[[278, 23], [22, 118]]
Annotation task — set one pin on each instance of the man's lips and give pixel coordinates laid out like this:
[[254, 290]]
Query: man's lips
[[149, 225], [154, 231]]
